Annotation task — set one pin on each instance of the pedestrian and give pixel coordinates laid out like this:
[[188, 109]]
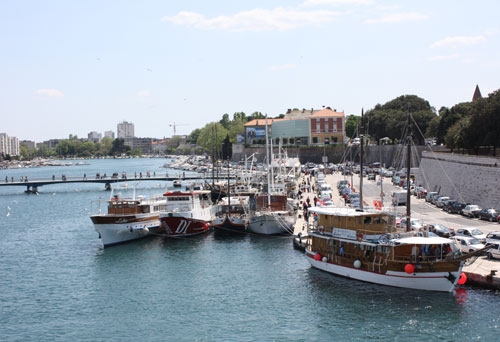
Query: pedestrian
[[6, 179], [315, 199]]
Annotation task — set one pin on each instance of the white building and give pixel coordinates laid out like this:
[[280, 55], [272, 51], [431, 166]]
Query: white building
[[94, 136], [125, 130], [9, 145], [109, 134]]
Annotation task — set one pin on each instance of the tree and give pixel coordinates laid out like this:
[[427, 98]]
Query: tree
[[351, 125], [389, 119], [119, 147], [211, 138]]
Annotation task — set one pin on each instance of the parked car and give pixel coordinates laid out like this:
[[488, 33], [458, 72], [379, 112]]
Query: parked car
[[493, 237], [471, 210], [471, 232], [429, 195], [494, 251], [371, 176], [416, 224], [455, 207], [441, 201], [489, 214], [440, 230], [468, 244]]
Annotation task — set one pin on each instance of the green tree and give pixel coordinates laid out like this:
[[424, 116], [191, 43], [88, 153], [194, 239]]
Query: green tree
[[351, 125], [119, 147], [211, 138]]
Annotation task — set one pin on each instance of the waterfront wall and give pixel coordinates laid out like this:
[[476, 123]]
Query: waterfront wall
[[463, 177]]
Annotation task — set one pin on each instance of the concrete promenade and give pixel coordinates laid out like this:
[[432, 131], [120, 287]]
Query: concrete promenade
[[480, 273]]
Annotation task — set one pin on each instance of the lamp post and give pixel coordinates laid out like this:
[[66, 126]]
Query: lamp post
[[380, 144]]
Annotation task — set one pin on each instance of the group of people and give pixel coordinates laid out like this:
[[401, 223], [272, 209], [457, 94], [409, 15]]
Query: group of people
[[21, 179]]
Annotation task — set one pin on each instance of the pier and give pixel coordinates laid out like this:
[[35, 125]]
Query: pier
[[33, 185]]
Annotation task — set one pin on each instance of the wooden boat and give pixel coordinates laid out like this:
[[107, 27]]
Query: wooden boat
[[231, 216], [128, 219], [364, 245], [187, 212]]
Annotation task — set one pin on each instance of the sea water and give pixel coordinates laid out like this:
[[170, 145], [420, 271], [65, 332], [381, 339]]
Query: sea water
[[58, 283]]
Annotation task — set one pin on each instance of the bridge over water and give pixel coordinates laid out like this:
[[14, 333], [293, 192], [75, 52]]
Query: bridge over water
[[33, 185]]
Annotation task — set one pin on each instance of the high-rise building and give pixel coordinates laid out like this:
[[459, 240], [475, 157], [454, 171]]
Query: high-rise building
[[9, 145], [94, 136], [125, 130], [109, 134]]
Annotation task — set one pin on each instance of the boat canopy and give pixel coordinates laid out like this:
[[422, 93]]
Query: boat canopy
[[420, 240]]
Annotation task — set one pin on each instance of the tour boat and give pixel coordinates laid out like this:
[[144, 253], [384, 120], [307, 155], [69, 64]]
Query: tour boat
[[128, 219], [187, 213], [365, 245]]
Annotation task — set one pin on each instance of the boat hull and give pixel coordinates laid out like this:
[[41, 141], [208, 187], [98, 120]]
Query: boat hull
[[428, 281], [271, 224], [113, 231], [229, 225], [180, 226]]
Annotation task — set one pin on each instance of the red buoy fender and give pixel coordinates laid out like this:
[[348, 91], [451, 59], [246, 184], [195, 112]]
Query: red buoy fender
[[409, 268], [463, 279]]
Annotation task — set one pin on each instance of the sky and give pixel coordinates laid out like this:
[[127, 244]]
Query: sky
[[73, 67]]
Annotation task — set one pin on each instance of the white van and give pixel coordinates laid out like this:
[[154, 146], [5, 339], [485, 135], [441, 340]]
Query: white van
[[398, 198]]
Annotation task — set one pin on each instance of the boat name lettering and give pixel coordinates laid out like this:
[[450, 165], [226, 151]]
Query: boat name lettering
[[344, 233]]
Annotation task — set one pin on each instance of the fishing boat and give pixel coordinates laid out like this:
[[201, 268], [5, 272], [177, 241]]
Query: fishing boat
[[127, 219], [270, 211], [365, 245], [187, 213], [231, 216]]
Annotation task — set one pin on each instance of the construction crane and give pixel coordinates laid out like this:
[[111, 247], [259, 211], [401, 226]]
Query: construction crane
[[175, 125]]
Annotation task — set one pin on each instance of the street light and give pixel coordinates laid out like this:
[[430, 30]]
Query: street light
[[380, 141]]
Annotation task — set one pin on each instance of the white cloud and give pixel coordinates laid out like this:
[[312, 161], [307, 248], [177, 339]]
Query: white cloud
[[143, 93], [255, 20], [458, 41], [49, 92], [442, 58], [337, 2], [282, 67], [398, 18]]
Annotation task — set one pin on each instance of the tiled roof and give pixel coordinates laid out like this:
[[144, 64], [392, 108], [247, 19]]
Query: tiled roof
[[327, 112], [261, 122]]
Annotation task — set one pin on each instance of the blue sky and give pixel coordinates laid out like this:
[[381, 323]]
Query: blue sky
[[72, 67]]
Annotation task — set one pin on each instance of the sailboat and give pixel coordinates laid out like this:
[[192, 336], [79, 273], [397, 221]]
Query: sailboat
[[270, 212], [365, 245], [231, 214]]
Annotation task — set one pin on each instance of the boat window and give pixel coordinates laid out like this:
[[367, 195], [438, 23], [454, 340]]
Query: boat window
[[368, 220], [376, 220]]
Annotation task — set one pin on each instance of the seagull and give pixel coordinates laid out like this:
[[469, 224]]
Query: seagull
[[8, 208], [8, 213]]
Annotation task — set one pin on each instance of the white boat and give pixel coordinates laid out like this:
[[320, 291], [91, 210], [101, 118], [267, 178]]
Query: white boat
[[128, 219], [187, 213], [270, 213]]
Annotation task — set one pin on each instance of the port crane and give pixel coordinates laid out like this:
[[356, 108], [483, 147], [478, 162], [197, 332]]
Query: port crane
[[174, 125]]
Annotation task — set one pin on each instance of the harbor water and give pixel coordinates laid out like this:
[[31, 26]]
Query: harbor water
[[59, 284]]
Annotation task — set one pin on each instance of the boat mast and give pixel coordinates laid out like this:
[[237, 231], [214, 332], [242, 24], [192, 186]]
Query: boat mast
[[362, 142], [408, 166], [268, 166]]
